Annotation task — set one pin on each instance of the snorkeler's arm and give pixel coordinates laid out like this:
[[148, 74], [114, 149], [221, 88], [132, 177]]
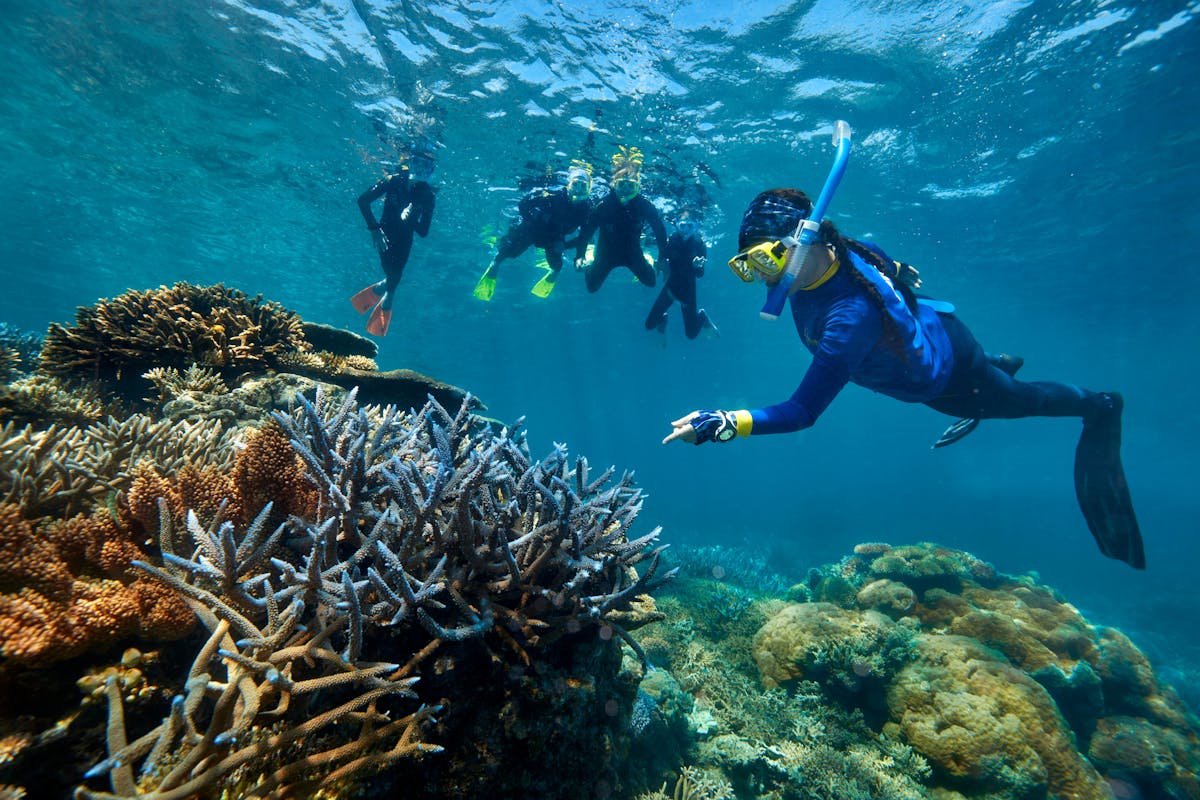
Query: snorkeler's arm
[[656, 225], [820, 385], [848, 333], [370, 196], [586, 230], [425, 204]]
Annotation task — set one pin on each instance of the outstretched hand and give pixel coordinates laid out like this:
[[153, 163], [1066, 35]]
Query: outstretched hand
[[683, 429]]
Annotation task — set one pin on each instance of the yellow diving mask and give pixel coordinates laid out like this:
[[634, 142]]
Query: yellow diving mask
[[763, 260]]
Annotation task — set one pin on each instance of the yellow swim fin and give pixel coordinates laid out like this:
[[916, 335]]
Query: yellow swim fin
[[546, 285], [485, 288]]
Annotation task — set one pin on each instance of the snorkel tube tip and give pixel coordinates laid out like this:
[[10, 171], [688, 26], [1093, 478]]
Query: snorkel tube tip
[[807, 230]]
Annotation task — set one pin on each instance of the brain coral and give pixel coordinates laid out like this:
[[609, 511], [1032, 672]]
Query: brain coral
[[981, 721], [820, 641]]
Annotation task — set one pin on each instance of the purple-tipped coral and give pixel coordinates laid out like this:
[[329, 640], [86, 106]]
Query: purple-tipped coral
[[432, 533]]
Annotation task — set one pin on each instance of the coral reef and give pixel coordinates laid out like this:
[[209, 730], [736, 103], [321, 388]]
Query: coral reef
[[1005, 688], [433, 535], [19, 352], [65, 471], [213, 326], [41, 400], [70, 587]]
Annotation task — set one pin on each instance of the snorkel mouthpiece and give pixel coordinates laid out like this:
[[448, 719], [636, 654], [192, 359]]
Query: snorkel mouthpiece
[[806, 230]]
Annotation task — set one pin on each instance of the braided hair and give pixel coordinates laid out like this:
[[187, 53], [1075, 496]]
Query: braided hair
[[776, 213]]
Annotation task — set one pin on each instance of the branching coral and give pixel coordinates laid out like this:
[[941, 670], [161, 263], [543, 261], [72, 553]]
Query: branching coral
[[19, 351], [63, 471], [41, 400], [173, 327], [429, 530]]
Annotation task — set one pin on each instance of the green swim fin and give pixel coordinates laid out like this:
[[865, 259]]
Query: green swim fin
[[485, 288], [546, 285]]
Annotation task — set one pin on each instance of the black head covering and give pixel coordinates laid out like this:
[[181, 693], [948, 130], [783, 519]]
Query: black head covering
[[773, 214]]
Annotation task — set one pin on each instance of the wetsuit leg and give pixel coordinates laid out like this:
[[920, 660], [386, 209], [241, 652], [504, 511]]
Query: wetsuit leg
[[980, 390], [554, 256], [658, 311], [393, 261], [640, 267], [684, 290], [595, 274], [516, 241]]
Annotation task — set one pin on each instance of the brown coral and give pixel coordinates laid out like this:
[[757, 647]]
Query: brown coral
[[978, 719], [213, 326], [69, 587]]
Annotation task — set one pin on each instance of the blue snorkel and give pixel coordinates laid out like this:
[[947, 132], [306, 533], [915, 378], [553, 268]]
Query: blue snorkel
[[806, 231]]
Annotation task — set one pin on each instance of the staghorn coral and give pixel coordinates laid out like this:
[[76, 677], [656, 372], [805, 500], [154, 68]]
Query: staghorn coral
[[169, 382], [19, 351], [64, 471], [68, 587], [213, 326], [431, 532], [41, 400]]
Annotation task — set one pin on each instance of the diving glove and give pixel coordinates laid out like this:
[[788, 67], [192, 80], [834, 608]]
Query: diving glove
[[714, 426]]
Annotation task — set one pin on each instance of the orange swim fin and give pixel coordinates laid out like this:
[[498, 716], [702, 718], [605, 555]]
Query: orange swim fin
[[379, 321], [368, 297]]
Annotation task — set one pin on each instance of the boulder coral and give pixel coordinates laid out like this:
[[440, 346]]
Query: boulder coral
[[983, 723], [1010, 685]]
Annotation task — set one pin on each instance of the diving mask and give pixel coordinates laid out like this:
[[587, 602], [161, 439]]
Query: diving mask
[[579, 187], [626, 188], [763, 260], [687, 228]]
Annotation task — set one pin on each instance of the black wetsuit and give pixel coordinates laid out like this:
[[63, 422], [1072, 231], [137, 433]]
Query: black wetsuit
[[681, 255], [548, 216], [619, 243], [398, 191]]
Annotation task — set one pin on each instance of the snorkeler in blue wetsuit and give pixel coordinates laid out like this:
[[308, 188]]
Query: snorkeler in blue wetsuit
[[855, 310]]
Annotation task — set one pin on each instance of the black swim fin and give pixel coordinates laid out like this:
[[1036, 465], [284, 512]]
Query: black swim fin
[[1101, 487], [960, 428]]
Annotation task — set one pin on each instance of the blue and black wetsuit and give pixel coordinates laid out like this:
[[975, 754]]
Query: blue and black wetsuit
[[398, 192], [919, 356], [619, 243], [682, 255], [548, 216]]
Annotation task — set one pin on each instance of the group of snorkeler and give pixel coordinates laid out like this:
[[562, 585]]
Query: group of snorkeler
[[555, 219], [855, 309]]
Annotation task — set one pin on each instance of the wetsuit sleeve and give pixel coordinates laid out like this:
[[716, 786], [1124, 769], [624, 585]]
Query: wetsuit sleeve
[[425, 204], [656, 224], [587, 230], [820, 385], [849, 334], [370, 196]]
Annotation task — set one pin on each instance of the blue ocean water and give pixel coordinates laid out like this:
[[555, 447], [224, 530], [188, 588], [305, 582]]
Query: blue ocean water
[[1038, 161]]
